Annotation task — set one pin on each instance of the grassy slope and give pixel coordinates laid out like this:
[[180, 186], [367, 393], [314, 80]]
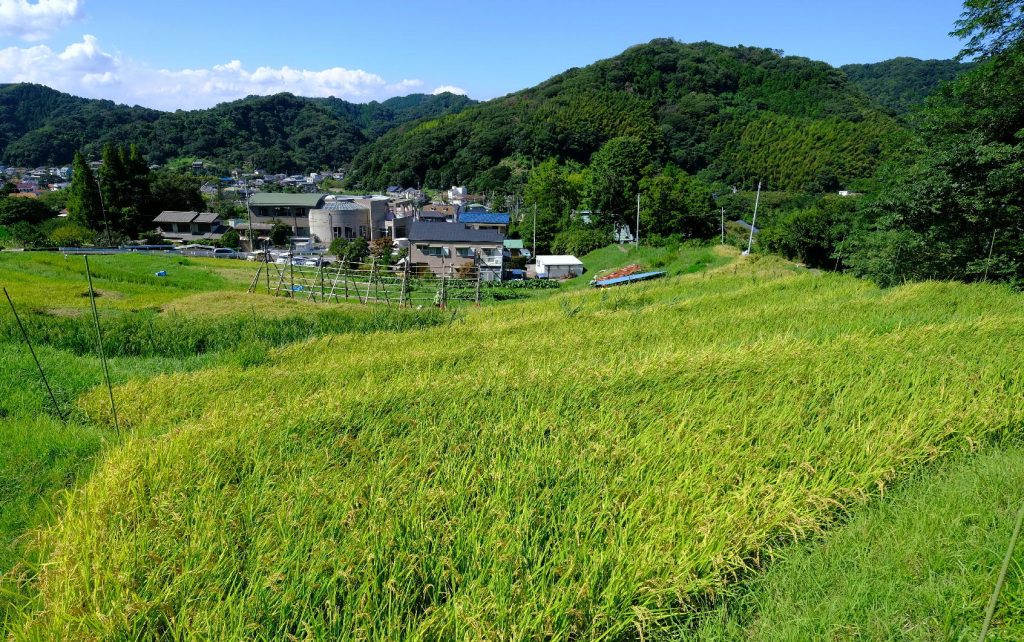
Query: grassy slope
[[674, 260], [588, 466], [919, 566]]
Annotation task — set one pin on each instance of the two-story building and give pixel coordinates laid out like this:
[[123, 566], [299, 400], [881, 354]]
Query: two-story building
[[343, 217], [444, 247], [267, 208], [189, 227]]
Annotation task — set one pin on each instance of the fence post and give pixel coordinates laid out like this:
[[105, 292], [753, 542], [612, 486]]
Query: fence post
[[373, 265], [478, 274], [444, 290], [405, 284], [291, 271], [266, 265]]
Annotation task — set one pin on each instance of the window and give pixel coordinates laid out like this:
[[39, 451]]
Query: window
[[337, 232], [431, 250], [362, 232], [464, 252], [349, 234]]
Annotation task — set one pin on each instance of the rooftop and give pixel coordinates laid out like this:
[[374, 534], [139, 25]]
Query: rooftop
[[171, 216], [274, 199], [340, 206], [430, 231], [207, 217], [486, 218], [558, 259]]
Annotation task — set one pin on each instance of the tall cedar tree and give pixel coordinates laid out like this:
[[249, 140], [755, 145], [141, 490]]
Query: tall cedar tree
[[84, 205]]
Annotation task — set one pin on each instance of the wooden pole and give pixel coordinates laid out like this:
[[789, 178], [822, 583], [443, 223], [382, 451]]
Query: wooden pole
[[255, 280], [291, 270], [405, 284], [373, 265], [266, 264], [478, 285]]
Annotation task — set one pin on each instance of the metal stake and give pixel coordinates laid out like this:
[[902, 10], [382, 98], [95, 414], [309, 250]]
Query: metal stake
[[24, 333], [99, 341]]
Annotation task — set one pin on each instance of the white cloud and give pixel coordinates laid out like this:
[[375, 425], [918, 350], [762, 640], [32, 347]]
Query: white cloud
[[452, 89], [37, 20], [86, 69]]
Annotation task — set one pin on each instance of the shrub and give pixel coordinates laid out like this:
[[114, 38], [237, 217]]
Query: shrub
[[580, 240], [71, 235]]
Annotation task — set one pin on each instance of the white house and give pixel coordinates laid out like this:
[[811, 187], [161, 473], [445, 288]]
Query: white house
[[558, 266]]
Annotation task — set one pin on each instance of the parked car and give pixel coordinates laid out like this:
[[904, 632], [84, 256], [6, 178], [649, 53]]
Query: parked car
[[225, 253], [313, 261]]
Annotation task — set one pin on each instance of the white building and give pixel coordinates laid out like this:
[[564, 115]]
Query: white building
[[558, 266]]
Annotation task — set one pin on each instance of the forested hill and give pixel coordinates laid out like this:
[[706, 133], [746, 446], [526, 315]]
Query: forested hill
[[39, 125], [901, 83], [735, 113]]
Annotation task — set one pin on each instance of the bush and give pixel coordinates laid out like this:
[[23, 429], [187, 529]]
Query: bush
[[580, 240], [71, 235], [23, 210], [230, 239]]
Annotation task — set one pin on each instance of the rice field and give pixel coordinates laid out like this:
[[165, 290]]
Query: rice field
[[194, 318], [586, 465]]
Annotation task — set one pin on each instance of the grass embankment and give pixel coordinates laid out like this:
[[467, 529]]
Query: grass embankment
[[675, 259], [920, 565], [589, 465], [194, 318]]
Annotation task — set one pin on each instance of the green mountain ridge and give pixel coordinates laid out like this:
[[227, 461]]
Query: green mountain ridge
[[901, 83], [282, 132], [737, 114]]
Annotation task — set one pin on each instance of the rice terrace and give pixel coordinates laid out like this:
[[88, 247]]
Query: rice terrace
[[389, 474], [542, 321]]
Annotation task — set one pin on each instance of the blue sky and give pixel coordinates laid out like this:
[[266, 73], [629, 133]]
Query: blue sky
[[188, 54]]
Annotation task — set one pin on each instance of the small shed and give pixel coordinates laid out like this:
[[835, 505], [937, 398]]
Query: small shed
[[558, 266]]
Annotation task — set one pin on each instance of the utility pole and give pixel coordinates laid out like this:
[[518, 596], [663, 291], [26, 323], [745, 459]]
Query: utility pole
[[248, 212], [103, 208], [753, 222], [637, 239], [535, 233]]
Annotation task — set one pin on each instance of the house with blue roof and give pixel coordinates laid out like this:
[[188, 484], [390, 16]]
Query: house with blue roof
[[485, 221]]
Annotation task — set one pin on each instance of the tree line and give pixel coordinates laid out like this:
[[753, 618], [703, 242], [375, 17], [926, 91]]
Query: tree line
[[107, 207], [949, 201]]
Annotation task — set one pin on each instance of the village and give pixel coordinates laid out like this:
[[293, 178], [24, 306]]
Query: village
[[451, 232], [441, 237]]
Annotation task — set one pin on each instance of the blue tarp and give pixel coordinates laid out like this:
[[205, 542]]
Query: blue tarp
[[642, 276]]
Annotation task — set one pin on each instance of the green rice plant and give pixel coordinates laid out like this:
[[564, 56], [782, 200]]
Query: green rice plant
[[522, 473]]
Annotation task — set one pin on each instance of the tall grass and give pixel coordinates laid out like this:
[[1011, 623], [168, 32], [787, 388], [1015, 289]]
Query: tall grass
[[593, 465], [918, 566], [148, 334]]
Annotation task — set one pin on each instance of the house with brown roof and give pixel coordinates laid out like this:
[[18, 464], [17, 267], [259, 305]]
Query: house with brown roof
[[189, 227]]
